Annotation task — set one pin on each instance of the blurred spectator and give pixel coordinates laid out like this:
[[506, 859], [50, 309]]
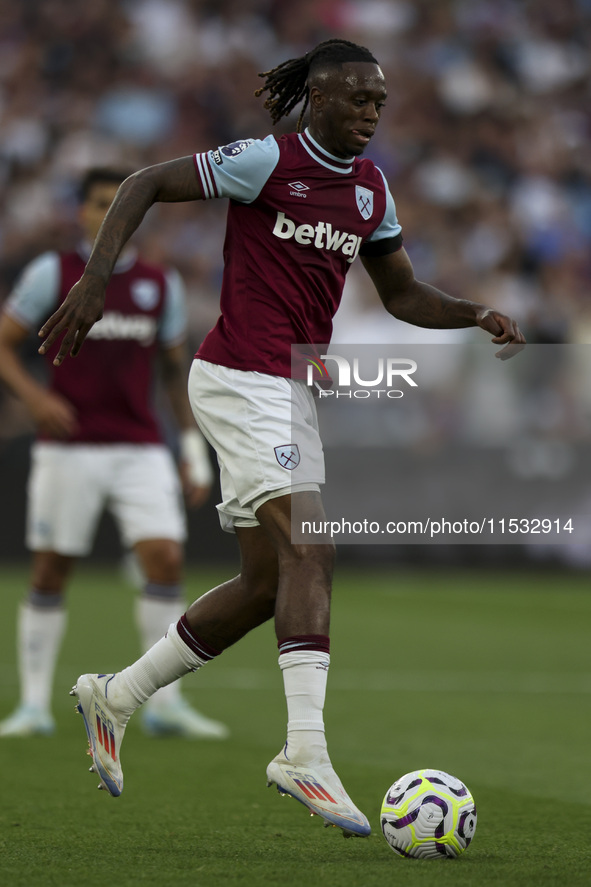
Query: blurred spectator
[[485, 139]]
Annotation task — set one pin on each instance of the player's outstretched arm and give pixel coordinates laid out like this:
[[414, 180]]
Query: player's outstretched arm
[[170, 182], [421, 304]]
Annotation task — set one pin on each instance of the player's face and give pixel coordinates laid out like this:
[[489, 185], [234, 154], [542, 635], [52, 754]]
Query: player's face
[[345, 107], [93, 210]]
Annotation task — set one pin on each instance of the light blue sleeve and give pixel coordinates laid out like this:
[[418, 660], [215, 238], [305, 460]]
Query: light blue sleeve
[[239, 170], [173, 325], [34, 297], [389, 226]]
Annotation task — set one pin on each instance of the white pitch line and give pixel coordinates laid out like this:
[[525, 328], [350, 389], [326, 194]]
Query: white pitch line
[[379, 681]]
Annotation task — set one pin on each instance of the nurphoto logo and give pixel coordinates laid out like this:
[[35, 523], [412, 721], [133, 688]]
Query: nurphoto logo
[[346, 380]]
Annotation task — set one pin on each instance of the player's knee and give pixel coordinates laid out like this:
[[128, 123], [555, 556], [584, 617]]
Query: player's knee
[[260, 582], [161, 560], [50, 572], [319, 557]]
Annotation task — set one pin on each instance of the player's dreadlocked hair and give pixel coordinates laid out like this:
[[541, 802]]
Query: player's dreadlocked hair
[[287, 84]]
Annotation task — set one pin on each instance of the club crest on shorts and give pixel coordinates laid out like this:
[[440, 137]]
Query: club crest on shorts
[[288, 456], [364, 199]]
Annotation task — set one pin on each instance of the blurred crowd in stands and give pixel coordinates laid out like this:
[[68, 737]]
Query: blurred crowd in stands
[[485, 138]]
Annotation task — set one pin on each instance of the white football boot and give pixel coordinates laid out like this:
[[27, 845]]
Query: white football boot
[[318, 787], [27, 721], [105, 724]]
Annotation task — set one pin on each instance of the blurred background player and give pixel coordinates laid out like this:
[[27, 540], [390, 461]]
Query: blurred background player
[[99, 445]]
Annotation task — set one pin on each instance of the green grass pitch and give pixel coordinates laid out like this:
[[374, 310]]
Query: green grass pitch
[[485, 675]]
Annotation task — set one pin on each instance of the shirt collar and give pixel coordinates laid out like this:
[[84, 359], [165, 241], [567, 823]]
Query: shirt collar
[[336, 164]]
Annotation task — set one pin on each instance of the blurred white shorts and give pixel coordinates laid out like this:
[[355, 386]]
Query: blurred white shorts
[[264, 430], [71, 485]]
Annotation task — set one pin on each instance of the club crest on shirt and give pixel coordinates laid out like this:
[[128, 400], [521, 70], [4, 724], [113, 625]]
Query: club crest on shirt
[[144, 293], [288, 456], [364, 199], [236, 147]]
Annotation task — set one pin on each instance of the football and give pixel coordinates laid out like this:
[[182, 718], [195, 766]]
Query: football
[[428, 814]]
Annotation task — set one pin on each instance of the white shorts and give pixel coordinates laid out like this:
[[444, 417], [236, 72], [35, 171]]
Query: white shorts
[[264, 430], [70, 485]]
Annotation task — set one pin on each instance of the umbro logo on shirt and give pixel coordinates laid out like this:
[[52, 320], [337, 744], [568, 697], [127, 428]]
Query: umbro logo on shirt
[[298, 189]]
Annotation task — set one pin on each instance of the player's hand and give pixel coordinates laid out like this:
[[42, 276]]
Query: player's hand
[[195, 495], [195, 467], [505, 331], [54, 415], [80, 310]]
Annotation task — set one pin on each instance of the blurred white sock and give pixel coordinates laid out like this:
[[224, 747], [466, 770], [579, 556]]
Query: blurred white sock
[[41, 625], [154, 613]]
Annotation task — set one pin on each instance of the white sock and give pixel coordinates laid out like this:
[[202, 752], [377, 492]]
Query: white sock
[[169, 659], [153, 615], [304, 678], [40, 630]]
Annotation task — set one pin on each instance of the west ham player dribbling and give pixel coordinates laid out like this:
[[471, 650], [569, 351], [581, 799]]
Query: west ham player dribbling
[[301, 209]]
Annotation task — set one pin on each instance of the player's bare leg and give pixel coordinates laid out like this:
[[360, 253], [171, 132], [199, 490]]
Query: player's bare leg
[[228, 612]]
